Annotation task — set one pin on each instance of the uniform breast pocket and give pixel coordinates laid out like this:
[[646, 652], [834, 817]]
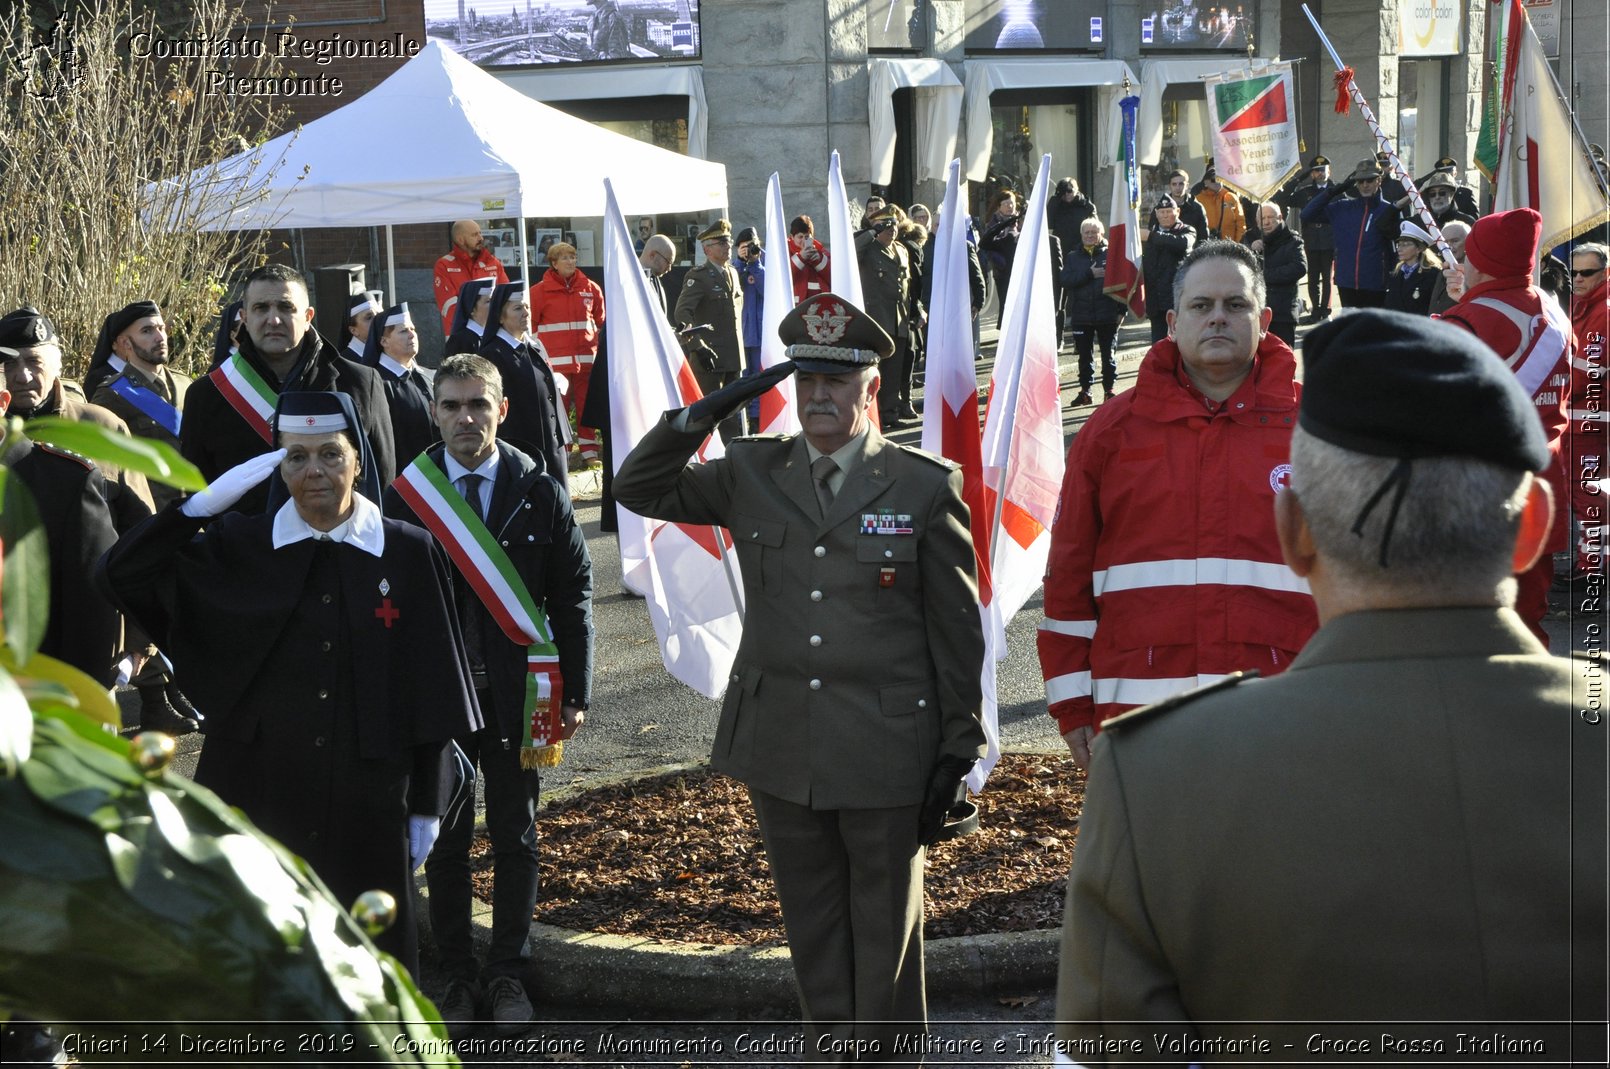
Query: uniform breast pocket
[[888, 570], [760, 549]]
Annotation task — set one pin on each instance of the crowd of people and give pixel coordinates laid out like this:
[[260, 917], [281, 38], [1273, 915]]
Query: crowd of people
[[404, 536]]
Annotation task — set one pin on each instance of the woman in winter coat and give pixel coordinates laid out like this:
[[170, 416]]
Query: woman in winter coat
[[998, 247], [1093, 317]]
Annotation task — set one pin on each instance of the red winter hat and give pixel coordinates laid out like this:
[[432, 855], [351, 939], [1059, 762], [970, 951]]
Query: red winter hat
[[1504, 244]]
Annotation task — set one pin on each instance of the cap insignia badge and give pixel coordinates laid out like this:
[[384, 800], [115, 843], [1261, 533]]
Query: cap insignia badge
[[827, 327]]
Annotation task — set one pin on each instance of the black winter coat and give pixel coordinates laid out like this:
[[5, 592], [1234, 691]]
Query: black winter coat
[[1086, 304], [1285, 262], [1161, 257]]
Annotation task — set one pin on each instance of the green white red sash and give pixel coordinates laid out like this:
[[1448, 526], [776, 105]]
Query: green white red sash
[[492, 575], [247, 394]]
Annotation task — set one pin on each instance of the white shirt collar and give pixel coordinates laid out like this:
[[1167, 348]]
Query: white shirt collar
[[361, 530], [395, 368], [487, 470], [475, 328], [354, 346], [117, 362], [510, 338]]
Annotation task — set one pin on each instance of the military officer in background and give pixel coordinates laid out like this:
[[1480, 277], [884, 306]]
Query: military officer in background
[[1414, 499], [886, 283], [852, 751], [712, 294]]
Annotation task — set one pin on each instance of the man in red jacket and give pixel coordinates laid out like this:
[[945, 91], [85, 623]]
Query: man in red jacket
[[1532, 334], [567, 317], [1165, 573], [469, 258], [1590, 320]]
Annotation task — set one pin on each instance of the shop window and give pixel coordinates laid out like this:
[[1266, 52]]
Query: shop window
[[1026, 131]]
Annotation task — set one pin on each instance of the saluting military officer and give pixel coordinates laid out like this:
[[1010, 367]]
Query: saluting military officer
[[712, 294], [852, 751], [886, 281], [1409, 823]]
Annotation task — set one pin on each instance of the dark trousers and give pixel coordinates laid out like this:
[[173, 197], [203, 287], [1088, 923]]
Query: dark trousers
[[1357, 298], [752, 367], [711, 381], [511, 821], [1285, 330], [894, 374], [1085, 338], [1319, 268], [1159, 327], [850, 884]]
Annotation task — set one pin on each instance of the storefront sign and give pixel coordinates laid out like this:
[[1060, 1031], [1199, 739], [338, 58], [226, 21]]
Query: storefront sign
[[1430, 28], [1545, 18], [1032, 25], [566, 31], [1194, 27], [1253, 130]]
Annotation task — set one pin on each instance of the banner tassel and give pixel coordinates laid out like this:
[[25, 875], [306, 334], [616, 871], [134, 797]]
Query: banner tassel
[[1344, 98], [550, 756]]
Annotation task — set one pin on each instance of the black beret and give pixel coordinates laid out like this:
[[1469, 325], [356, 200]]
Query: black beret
[[1166, 201], [116, 323], [23, 329], [826, 334], [1390, 384]]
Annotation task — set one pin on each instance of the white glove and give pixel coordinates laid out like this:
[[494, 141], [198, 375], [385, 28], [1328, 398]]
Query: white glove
[[232, 485], [422, 832]]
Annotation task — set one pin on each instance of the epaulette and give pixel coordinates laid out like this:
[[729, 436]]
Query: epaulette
[[1147, 712], [935, 458], [56, 450]]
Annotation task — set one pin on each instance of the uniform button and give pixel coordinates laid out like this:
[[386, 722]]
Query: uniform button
[[323, 694], [821, 551], [735, 677], [922, 703], [816, 684], [327, 645], [528, 504], [753, 535], [1241, 404], [888, 553], [816, 595], [505, 544], [530, 538], [319, 741], [326, 599], [816, 640]]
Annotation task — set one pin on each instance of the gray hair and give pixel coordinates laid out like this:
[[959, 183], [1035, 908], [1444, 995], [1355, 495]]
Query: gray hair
[[470, 366], [1452, 541], [1222, 250], [1595, 248]]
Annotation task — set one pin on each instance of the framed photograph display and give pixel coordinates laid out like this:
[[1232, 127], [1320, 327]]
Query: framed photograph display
[[566, 31]]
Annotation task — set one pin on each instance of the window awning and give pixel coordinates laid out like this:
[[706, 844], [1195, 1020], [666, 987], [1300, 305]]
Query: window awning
[[985, 76], [938, 98], [1157, 75], [560, 82]]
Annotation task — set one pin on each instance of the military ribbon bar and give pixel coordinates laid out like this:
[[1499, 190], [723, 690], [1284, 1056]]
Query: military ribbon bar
[[493, 577], [166, 416], [247, 394]]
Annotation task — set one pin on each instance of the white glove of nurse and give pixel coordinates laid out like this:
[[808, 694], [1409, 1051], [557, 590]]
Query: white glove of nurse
[[222, 493]]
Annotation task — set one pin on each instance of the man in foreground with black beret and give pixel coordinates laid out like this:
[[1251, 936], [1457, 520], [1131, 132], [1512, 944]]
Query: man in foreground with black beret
[[852, 710], [1405, 827]]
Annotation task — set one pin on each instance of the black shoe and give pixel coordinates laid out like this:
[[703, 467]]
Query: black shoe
[[156, 714], [509, 1008], [457, 1007], [1082, 399], [181, 704], [908, 412], [1106, 394]]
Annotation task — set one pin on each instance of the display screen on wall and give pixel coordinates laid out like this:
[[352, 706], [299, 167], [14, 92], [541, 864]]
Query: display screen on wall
[[1430, 28], [1198, 27], [528, 33], [1031, 25]]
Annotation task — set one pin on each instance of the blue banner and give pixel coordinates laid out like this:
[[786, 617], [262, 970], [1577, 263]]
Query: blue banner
[[165, 415]]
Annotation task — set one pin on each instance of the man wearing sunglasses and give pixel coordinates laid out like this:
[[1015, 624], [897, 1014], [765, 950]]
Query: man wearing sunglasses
[[1587, 433]]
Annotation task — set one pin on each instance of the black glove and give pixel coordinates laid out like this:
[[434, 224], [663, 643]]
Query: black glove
[[945, 789], [715, 407]]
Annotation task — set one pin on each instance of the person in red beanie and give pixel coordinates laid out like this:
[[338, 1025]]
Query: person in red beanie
[[1590, 318], [1532, 334]]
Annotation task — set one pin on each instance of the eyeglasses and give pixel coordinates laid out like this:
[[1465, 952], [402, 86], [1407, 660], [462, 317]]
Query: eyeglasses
[[1589, 273]]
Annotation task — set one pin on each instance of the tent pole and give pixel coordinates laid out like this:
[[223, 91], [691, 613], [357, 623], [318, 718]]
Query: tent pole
[[391, 268], [524, 256]]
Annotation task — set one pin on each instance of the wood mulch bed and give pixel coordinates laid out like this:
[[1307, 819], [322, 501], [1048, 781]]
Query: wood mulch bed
[[679, 857]]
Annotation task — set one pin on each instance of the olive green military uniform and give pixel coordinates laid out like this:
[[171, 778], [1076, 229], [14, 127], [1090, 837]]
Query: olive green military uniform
[[167, 384], [712, 294], [858, 669], [885, 282], [1407, 825]]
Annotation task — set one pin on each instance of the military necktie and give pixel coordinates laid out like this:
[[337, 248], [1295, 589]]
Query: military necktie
[[822, 469]]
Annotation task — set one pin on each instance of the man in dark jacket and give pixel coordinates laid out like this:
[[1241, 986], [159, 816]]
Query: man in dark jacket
[[1066, 212], [886, 282], [1365, 225], [1167, 243], [1319, 239], [528, 514], [1190, 209], [1280, 254], [228, 413], [1093, 316]]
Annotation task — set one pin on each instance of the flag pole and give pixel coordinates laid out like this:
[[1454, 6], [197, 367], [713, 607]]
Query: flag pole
[[1345, 80]]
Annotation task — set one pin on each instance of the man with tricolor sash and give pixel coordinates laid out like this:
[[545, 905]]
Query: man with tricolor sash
[[523, 589], [230, 412]]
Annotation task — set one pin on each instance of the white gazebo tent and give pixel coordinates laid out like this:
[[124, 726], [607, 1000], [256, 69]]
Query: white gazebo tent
[[482, 149]]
